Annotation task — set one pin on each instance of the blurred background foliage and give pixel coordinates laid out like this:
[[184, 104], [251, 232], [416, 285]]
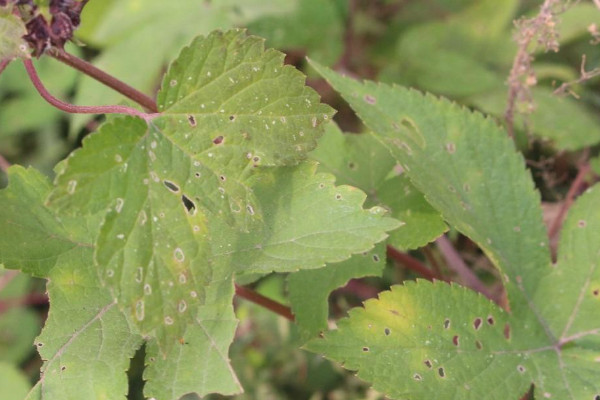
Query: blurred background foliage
[[460, 49]]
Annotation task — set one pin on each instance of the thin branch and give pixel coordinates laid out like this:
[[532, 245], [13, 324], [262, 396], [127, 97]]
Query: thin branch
[[566, 204], [410, 262], [265, 302], [456, 263], [83, 66], [583, 76], [70, 108]]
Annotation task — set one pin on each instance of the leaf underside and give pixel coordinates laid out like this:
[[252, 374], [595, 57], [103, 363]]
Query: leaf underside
[[469, 171]]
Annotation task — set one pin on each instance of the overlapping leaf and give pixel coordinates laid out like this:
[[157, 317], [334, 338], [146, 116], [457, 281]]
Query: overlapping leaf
[[171, 205], [468, 170], [364, 162]]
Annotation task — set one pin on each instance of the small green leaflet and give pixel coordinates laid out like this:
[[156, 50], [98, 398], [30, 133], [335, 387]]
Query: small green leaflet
[[148, 222], [12, 30], [469, 171], [361, 160]]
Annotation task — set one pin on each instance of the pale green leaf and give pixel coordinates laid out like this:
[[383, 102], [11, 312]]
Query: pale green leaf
[[12, 29], [308, 221], [13, 382], [240, 109], [309, 289], [139, 38], [468, 169], [86, 343], [424, 340]]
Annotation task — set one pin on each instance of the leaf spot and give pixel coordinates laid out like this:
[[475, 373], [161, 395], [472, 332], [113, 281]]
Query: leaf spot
[[110, 273], [62, 368], [71, 186], [139, 310], [428, 364], [477, 323], [582, 223], [450, 148], [375, 258], [153, 144], [182, 306], [197, 174], [417, 377], [182, 278], [365, 349], [139, 274], [446, 323], [147, 289], [168, 320], [441, 372], [121, 236], [387, 331], [192, 120], [189, 205], [143, 217], [370, 99], [338, 196], [521, 369], [173, 83], [455, 340], [548, 395], [478, 344], [193, 294], [118, 158], [218, 140], [596, 292], [178, 254], [250, 209], [119, 205], [517, 229], [507, 331], [171, 186]]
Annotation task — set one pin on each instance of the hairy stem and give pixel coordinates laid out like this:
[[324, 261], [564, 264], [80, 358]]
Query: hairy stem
[[265, 302], [70, 108], [410, 262], [83, 66]]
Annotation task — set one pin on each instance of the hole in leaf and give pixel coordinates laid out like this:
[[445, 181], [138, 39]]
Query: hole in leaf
[[387, 331], [62, 368], [446, 323], [507, 332], [428, 364], [441, 372], [232, 117], [218, 140], [197, 174], [455, 340], [189, 205], [365, 349], [171, 186], [477, 323]]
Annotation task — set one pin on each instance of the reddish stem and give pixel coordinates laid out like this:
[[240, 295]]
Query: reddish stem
[[4, 164], [70, 108], [573, 190], [3, 65], [265, 302], [83, 66], [410, 262]]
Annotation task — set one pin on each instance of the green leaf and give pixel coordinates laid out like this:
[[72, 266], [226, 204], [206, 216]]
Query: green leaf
[[363, 161], [468, 170], [309, 289], [308, 221], [178, 199], [453, 156], [86, 338], [13, 383], [18, 328], [139, 38], [12, 30]]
